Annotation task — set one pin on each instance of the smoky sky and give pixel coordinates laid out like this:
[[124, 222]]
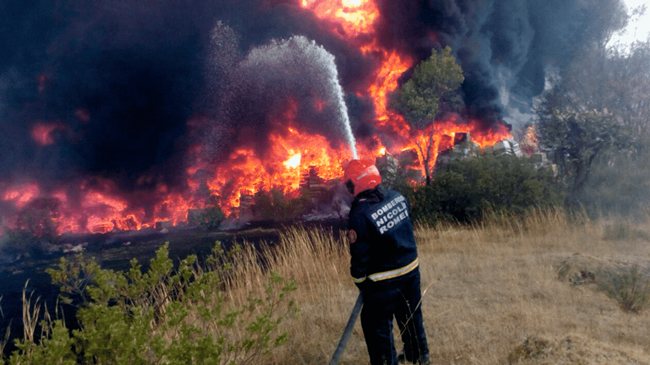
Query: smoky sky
[[522, 38], [121, 79]]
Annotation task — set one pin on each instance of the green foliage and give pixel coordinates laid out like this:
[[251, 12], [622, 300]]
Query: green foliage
[[57, 348], [35, 229], [275, 205], [434, 81], [577, 139], [38, 218], [209, 217], [596, 108], [464, 190], [20, 243], [434, 85], [629, 287], [161, 315]]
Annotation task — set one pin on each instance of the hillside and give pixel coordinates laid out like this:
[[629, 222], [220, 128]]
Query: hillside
[[534, 290]]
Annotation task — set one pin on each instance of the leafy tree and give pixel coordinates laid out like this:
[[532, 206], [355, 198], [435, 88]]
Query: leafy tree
[[597, 107], [432, 88], [576, 139]]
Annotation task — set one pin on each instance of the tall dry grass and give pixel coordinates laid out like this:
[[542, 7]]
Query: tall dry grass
[[510, 290]]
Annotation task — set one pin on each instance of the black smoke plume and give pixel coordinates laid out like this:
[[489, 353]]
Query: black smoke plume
[[121, 79]]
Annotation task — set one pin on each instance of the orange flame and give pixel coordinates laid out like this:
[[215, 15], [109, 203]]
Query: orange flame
[[393, 65], [353, 16], [292, 154], [530, 140]]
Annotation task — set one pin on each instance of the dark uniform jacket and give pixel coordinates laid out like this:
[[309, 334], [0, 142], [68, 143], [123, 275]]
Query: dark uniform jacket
[[382, 245]]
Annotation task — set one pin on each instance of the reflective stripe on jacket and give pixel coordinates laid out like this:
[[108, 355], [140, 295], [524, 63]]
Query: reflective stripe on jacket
[[390, 274]]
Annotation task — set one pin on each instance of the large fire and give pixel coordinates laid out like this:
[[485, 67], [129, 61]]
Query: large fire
[[350, 18], [293, 153]]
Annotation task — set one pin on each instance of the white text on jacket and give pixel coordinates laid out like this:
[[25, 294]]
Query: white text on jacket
[[390, 214]]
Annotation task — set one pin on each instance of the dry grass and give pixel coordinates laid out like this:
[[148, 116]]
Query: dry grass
[[524, 290], [492, 287], [509, 291], [320, 266]]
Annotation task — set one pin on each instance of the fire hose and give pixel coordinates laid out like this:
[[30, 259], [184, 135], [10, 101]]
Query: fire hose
[[348, 330]]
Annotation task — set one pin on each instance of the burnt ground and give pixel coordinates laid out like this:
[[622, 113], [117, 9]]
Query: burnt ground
[[114, 251]]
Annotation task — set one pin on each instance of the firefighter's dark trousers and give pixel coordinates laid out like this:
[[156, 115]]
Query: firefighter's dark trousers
[[399, 299]]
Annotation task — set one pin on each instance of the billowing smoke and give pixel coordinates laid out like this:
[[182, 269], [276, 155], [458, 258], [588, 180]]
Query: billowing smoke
[[501, 43], [105, 90], [117, 79]]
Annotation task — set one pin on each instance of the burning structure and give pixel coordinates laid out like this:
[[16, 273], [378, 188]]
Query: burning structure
[[118, 115]]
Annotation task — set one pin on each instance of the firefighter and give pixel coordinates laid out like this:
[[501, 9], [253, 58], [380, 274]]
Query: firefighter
[[384, 266]]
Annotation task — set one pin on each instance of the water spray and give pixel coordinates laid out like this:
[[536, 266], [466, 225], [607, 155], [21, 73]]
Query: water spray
[[328, 61], [343, 108], [300, 55]]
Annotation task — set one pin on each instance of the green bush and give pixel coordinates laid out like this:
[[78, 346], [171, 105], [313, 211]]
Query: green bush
[[35, 230], [465, 190], [209, 217], [629, 287], [39, 217], [159, 316], [275, 205], [19, 243]]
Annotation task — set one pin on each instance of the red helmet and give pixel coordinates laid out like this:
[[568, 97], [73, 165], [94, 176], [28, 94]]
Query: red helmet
[[361, 175]]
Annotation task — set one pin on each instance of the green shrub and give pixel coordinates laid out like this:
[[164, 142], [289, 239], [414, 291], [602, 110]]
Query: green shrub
[[275, 205], [39, 217], [209, 217], [159, 316], [629, 287], [57, 348], [464, 190], [19, 243], [35, 230]]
